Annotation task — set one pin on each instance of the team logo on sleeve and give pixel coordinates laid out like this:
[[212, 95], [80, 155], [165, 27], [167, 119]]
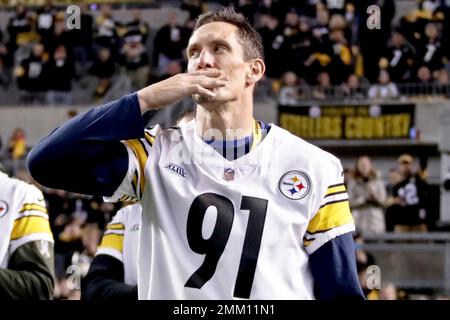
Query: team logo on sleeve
[[295, 185], [3, 208]]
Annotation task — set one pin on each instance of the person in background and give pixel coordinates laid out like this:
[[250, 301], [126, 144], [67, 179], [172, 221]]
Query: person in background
[[384, 89], [410, 198], [112, 275], [26, 243], [367, 195]]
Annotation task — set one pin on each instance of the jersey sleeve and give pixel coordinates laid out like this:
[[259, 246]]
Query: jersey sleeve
[[112, 240], [31, 222], [333, 218], [134, 182]]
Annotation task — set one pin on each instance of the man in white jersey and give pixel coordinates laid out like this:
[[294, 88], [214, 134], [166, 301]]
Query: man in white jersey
[[233, 208], [26, 243], [113, 272]]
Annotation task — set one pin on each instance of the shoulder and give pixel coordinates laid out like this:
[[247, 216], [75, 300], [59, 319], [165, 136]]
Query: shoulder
[[303, 149], [18, 188]]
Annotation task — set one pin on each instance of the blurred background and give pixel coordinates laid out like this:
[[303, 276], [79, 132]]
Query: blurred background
[[369, 84]]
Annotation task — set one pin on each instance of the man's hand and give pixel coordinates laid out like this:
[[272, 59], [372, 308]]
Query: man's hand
[[180, 86]]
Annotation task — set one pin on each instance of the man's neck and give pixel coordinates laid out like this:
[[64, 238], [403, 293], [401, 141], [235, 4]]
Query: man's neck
[[224, 123]]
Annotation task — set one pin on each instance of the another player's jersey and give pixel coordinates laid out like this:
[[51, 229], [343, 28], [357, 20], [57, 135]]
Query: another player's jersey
[[23, 217], [121, 240], [218, 229]]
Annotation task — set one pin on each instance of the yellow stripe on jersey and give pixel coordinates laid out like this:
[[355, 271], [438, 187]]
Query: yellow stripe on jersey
[[29, 225], [112, 241], [257, 134], [150, 139], [331, 215], [335, 189], [32, 207], [115, 226], [141, 155]]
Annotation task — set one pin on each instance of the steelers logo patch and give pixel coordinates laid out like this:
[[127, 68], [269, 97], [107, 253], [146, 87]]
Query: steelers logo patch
[[3, 208], [295, 185]]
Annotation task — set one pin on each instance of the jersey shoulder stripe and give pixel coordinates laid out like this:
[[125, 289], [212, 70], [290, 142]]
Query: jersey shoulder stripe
[[27, 225]]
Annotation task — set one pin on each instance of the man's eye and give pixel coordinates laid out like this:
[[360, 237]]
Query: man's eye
[[193, 53], [221, 48]]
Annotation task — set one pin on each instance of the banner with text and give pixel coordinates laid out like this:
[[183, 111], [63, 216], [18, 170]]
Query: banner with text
[[349, 121]]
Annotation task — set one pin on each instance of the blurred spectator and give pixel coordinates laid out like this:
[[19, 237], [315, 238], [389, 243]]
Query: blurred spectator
[[342, 64], [30, 77], [352, 88], [272, 40], [324, 89], [60, 36], [385, 89], [247, 7], [45, 22], [370, 38], [424, 75], [367, 195], [442, 83], [82, 40], [408, 209], [18, 25], [135, 31], [105, 33], [135, 62], [423, 79], [320, 29], [169, 44], [430, 51], [59, 74], [342, 7], [103, 68], [17, 144], [398, 58], [194, 7], [289, 92]]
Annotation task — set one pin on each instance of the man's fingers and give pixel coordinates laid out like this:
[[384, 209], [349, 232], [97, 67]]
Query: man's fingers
[[203, 91]]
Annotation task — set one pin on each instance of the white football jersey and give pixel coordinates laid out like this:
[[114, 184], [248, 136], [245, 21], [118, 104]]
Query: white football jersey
[[23, 217], [218, 229], [121, 239]]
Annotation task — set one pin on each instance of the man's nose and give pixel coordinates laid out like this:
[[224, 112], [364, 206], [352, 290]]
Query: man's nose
[[206, 60]]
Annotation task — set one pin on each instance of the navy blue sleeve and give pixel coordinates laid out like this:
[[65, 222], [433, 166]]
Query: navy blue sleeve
[[333, 267], [85, 154]]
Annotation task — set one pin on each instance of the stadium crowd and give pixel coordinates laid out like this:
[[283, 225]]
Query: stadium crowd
[[314, 47]]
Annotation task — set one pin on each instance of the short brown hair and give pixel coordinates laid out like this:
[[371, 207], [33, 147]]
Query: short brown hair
[[249, 38]]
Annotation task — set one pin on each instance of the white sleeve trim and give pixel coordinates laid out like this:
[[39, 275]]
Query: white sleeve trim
[[323, 237]]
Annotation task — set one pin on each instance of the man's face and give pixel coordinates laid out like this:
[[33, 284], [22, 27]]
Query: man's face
[[216, 45], [405, 168]]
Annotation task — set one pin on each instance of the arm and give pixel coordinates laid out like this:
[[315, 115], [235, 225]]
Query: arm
[[85, 154], [30, 273], [333, 267], [328, 241], [104, 281]]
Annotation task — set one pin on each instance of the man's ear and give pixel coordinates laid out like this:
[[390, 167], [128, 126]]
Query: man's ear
[[255, 71]]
